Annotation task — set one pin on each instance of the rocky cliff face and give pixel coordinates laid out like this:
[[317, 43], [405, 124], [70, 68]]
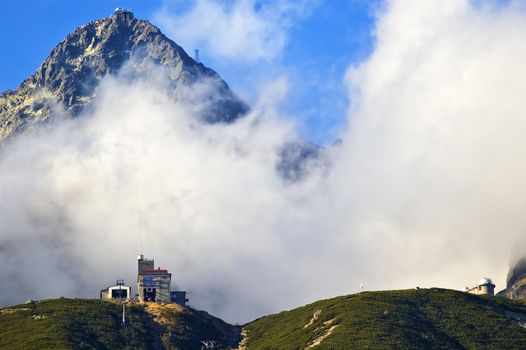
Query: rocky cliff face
[[68, 79], [516, 281]]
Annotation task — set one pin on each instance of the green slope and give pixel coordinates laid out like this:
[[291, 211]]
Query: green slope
[[407, 319], [95, 324]]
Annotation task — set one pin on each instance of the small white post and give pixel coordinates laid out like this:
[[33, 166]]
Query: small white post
[[123, 313]]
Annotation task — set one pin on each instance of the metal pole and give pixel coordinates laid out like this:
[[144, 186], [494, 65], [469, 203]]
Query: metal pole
[[123, 313]]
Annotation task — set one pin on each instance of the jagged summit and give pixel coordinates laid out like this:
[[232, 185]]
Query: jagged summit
[[122, 13], [72, 72]]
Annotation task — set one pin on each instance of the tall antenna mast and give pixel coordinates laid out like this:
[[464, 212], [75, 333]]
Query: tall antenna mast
[[123, 313], [139, 226], [196, 55]]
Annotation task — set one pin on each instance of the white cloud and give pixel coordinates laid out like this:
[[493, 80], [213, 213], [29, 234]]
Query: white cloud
[[206, 199], [242, 30], [434, 160]]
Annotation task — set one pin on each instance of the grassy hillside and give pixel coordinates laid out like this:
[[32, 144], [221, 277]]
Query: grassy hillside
[[407, 319], [95, 324]]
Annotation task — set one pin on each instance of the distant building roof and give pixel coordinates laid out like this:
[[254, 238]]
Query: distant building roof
[[154, 272], [120, 283]]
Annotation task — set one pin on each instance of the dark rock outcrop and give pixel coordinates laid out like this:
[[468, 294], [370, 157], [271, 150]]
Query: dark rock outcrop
[[296, 158], [516, 281]]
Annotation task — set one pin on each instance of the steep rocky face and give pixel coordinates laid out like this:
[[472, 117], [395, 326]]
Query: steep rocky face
[[69, 77], [516, 281]]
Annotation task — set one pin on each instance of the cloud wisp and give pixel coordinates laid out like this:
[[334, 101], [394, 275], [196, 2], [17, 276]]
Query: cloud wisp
[[240, 31]]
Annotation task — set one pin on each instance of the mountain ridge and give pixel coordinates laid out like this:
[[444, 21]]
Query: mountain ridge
[[399, 319], [129, 49], [68, 78]]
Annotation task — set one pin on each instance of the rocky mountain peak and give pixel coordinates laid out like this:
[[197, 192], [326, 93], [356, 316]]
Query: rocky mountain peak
[[70, 75]]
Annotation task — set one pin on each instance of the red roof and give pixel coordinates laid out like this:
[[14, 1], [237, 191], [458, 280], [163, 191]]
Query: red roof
[[154, 272]]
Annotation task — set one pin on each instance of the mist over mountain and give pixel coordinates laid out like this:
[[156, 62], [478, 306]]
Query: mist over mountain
[[121, 110], [425, 189], [67, 80]]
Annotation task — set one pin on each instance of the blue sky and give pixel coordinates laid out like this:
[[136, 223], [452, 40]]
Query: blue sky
[[321, 40]]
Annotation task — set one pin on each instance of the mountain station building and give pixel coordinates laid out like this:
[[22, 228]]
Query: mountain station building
[[117, 292], [154, 284]]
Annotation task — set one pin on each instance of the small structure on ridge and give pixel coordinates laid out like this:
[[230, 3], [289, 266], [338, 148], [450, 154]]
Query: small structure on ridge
[[484, 287], [117, 292], [123, 14]]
